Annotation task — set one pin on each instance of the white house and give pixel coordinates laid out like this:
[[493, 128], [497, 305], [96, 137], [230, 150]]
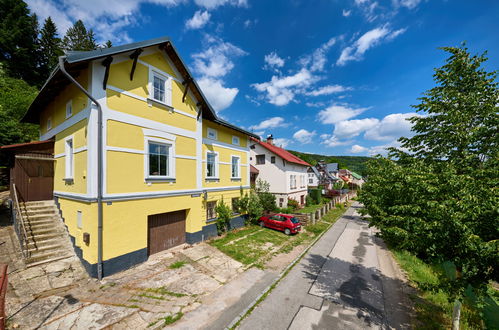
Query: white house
[[314, 177], [286, 173]]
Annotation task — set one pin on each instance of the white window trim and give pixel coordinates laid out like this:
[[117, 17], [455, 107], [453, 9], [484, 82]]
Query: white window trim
[[217, 166], [69, 170], [237, 139], [168, 87], [69, 105], [171, 159], [49, 123], [238, 167], [212, 130]]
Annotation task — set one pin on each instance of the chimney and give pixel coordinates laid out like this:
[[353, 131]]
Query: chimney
[[270, 139]]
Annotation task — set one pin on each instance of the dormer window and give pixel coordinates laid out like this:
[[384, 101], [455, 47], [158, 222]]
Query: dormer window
[[69, 109], [235, 140]]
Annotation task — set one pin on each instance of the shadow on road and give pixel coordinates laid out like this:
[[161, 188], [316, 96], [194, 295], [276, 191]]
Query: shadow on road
[[354, 287]]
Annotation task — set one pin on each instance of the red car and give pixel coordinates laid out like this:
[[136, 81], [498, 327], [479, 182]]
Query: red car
[[283, 222]]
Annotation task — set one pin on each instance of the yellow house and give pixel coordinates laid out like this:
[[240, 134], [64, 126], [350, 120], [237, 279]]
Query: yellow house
[[141, 158]]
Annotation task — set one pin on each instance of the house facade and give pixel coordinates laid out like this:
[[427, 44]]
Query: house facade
[[313, 177], [150, 176], [285, 173]]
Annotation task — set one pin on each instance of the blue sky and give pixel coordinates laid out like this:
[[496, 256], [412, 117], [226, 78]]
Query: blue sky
[[326, 76]]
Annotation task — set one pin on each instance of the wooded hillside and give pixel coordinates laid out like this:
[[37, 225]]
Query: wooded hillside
[[353, 163]]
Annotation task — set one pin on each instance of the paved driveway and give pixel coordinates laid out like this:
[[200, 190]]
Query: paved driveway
[[346, 281]]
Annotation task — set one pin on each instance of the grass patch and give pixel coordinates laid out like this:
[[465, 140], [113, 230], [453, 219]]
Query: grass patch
[[108, 285], [170, 319], [433, 309], [146, 295], [310, 208], [163, 291], [178, 264]]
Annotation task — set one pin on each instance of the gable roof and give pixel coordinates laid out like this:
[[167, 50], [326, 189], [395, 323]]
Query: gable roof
[[77, 61], [284, 154], [332, 167], [316, 172], [356, 176]]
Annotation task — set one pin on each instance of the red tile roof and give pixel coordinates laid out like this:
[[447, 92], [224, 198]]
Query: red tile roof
[[286, 155], [253, 169]]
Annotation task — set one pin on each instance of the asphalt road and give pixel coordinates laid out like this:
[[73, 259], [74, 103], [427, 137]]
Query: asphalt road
[[347, 280]]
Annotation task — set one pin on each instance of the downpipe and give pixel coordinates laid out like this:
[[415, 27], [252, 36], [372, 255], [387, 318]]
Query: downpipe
[[99, 164]]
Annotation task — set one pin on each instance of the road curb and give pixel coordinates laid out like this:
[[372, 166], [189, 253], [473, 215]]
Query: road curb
[[286, 270]]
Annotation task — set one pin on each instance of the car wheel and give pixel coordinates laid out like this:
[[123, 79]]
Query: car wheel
[[261, 224], [287, 231]]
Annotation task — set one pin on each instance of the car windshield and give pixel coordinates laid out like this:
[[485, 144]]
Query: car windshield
[[294, 220]]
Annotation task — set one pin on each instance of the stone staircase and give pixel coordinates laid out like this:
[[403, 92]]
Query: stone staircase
[[48, 239]]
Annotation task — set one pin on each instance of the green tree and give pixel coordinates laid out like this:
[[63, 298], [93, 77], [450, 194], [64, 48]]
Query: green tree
[[50, 47], [19, 41], [267, 199], [224, 214], [78, 38], [438, 199], [15, 97], [108, 44]]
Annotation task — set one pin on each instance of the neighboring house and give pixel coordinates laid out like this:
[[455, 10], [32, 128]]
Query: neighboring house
[[346, 176], [357, 179], [253, 175], [313, 177], [151, 177], [286, 173], [328, 174]]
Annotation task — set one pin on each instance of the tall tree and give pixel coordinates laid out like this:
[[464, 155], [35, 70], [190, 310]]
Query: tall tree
[[19, 41], [50, 47], [77, 38], [439, 200], [108, 44]]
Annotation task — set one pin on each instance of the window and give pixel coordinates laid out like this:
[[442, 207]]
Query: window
[[310, 181], [211, 165], [281, 201], [235, 205], [69, 158], [159, 159], [69, 109], [49, 124], [292, 181], [160, 88], [235, 140], [212, 133], [272, 159], [260, 159], [79, 220], [235, 167], [211, 213]]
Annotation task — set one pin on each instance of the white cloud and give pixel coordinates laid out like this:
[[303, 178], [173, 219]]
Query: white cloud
[[304, 136], [269, 123], [332, 141], [411, 4], [282, 142], [197, 21], [212, 4], [329, 89], [107, 18], [368, 8], [281, 90], [382, 149], [356, 149], [216, 59], [318, 59], [346, 13], [352, 128], [368, 40], [391, 127], [273, 60], [337, 113], [220, 97], [248, 23]]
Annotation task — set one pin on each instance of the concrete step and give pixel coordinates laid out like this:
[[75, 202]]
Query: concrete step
[[39, 203], [41, 217], [37, 263], [46, 248], [41, 221], [31, 213], [34, 227], [44, 255], [43, 242], [42, 231], [44, 237], [39, 208]]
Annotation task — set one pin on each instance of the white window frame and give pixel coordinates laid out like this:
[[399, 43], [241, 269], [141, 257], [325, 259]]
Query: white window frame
[[235, 140], [168, 87], [49, 124], [217, 165], [238, 167], [69, 165], [212, 131], [171, 159], [69, 109]]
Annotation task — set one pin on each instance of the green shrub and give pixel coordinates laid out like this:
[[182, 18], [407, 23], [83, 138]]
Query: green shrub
[[293, 204], [255, 209], [267, 201], [224, 213], [309, 201], [316, 195]]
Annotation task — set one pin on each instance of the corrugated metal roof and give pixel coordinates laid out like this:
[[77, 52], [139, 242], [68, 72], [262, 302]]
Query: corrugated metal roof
[[332, 167]]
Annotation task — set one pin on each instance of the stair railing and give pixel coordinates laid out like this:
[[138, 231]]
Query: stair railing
[[19, 225]]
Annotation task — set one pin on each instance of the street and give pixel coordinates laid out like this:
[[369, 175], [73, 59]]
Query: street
[[347, 280]]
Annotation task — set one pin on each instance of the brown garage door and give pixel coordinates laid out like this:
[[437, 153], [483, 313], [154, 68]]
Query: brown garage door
[[165, 231]]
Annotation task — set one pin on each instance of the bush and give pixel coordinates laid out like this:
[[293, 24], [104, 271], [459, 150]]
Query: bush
[[255, 209], [293, 204], [224, 214], [316, 195], [285, 210], [309, 201], [267, 201]]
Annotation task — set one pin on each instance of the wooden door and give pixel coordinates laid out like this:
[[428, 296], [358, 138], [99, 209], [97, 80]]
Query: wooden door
[[165, 231]]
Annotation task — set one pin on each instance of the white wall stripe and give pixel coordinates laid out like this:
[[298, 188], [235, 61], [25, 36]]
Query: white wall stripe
[[66, 124], [224, 145]]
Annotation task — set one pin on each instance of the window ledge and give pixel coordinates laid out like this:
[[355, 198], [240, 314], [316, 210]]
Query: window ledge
[[150, 101], [212, 179], [235, 179], [160, 179]]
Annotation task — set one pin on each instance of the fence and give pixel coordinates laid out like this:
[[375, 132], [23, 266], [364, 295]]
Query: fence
[[312, 218], [3, 291]]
